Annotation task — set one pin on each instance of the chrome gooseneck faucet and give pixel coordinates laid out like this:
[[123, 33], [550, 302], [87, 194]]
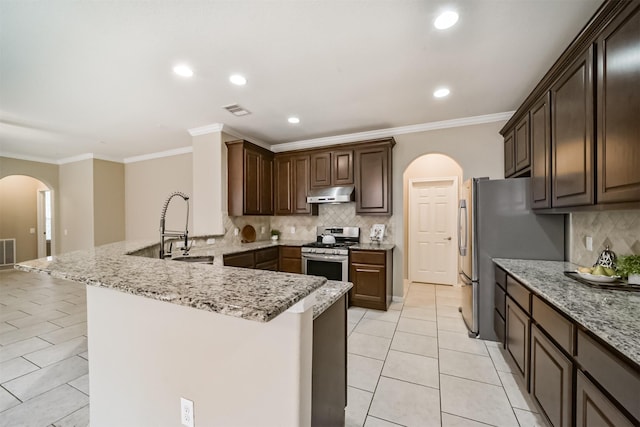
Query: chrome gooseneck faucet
[[168, 233]]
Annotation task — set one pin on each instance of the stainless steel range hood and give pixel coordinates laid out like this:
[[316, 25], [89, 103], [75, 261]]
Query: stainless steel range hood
[[331, 195]]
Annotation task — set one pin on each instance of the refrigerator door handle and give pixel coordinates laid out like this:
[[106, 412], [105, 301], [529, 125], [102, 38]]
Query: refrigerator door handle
[[462, 212]]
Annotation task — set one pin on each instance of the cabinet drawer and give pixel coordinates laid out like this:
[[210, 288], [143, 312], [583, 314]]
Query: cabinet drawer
[[501, 277], [519, 294], [499, 300], [290, 252], [243, 259], [555, 324], [593, 408], [368, 257], [613, 374], [268, 254]]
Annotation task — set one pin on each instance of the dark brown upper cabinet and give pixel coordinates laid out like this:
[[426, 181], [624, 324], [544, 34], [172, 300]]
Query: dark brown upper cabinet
[[373, 178], [509, 154], [618, 114], [540, 125], [250, 175], [292, 185], [331, 168], [572, 139], [522, 145]]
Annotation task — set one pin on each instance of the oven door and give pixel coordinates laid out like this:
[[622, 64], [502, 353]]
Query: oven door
[[333, 267]]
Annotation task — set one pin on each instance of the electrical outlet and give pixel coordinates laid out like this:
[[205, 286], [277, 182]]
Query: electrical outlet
[[293, 230], [211, 241], [236, 232], [262, 230], [589, 243], [186, 412]]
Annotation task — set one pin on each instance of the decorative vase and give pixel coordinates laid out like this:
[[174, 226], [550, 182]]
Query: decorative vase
[[274, 238], [634, 279]]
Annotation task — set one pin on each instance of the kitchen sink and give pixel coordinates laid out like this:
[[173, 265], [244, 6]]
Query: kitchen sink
[[202, 259]]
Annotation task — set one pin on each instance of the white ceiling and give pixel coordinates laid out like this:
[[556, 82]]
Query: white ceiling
[[95, 77]]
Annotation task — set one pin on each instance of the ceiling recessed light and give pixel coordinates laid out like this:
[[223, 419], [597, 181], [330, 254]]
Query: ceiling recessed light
[[183, 70], [441, 93], [446, 20], [293, 120], [238, 80]]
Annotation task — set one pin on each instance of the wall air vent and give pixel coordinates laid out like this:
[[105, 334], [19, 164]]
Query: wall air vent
[[236, 110]]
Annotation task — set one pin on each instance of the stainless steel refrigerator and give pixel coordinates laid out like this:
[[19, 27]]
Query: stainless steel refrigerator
[[496, 221]]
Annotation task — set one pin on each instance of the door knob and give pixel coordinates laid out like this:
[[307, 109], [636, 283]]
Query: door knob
[[447, 238]]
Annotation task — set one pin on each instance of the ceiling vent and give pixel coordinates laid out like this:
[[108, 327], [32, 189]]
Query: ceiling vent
[[236, 110]]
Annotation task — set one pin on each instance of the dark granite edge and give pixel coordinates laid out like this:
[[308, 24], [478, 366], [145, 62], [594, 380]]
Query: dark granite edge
[[328, 294]]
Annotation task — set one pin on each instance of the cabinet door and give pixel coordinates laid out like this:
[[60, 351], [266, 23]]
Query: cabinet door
[[301, 185], [517, 339], [373, 173], [284, 185], [593, 409], [290, 259], [320, 169], [266, 185], [572, 129], [522, 146], [509, 154], [540, 125], [619, 109], [243, 259], [342, 167], [252, 165], [369, 286], [551, 379]]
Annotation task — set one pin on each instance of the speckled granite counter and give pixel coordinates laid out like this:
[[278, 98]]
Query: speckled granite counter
[[373, 246], [328, 294], [613, 316], [249, 294]]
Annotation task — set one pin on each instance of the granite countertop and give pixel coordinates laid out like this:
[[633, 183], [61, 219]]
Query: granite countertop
[[328, 294], [373, 246], [613, 316], [250, 294]]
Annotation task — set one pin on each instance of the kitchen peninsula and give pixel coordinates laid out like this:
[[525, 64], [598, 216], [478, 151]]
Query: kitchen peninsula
[[237, 342]]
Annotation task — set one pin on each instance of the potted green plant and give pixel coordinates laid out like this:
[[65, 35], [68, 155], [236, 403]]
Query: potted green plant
[[629, 266], [275, 234]]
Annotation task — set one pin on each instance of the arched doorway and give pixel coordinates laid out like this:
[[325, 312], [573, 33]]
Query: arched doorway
[[430, 197], [27, 215]]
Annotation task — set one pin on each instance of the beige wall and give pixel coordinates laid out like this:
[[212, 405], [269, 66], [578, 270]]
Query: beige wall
[[147, 184], [45, 172], [18, 213], [108, 202], [478, 149], [76, 206]]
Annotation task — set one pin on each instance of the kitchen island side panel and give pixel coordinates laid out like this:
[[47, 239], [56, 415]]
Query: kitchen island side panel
[[144, 355]]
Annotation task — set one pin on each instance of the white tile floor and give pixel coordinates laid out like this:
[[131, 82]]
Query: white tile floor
[[414, 365], [410, 366]]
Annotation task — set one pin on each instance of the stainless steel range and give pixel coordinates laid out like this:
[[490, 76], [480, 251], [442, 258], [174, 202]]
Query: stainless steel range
[[328, 256]]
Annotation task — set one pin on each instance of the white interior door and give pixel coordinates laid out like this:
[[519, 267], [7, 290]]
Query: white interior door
[[432, 230]]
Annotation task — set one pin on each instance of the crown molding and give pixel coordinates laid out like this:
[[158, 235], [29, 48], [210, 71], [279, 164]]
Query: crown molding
[[88, 156], [385, 133], [221, 127], [28, 158], [159, 155], [203, 130]]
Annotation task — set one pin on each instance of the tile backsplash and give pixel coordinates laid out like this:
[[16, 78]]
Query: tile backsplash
[[343, 214], [618, 229]]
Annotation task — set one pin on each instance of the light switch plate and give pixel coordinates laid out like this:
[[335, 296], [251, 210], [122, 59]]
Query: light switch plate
[[589, 243]]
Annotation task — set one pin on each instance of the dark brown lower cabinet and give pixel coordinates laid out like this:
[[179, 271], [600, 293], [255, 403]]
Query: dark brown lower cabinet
[[551, 379], [267, 259], [329, 366], [594, 409], [290, 259], [242, 259], [371, 274], [517, 337]]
